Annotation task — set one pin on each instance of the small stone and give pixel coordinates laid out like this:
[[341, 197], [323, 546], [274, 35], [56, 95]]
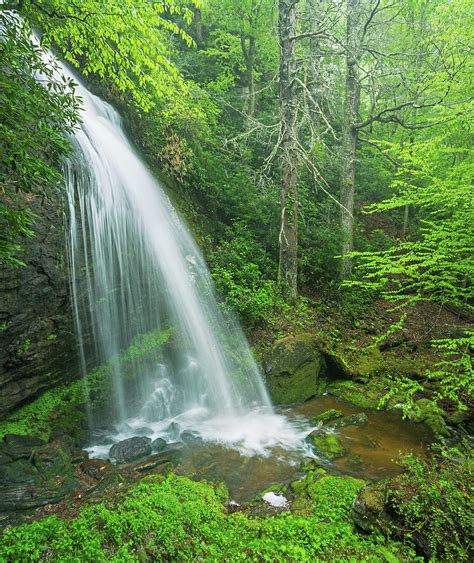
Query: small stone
[[131, 449]]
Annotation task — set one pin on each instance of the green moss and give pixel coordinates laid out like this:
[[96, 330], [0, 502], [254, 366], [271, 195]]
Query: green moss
[[365, 395], [326, 416], [327, 445], [294, 369], [428, 412], [63, 407], [179, 519]]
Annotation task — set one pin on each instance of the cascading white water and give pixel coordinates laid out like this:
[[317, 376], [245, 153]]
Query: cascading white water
[[136, 269]]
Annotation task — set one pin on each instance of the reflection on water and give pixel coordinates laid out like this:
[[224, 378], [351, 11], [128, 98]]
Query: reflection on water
[[372, 451]]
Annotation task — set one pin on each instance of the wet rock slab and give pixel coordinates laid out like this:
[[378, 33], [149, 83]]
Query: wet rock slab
[[33, 473], [131, 449]]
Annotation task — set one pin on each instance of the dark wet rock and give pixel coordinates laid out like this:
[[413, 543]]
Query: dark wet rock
[[131, 449], [4, 458], [163, 459], [96, 469], [326, 416], [294, 369], [42, 477], [143, 431], [326, 445], [18, 471], [15, 447], [26, 441], [359, 419], [158, 444], [25, 496]]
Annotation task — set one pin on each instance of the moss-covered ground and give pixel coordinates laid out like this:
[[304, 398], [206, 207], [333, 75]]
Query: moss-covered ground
[[174, 518]]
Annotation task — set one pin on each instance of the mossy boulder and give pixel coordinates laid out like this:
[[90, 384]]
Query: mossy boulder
[[326, 445], [368, 510], [364, 364], [358, 419], [364, 395], [428, 412], [295, 369]]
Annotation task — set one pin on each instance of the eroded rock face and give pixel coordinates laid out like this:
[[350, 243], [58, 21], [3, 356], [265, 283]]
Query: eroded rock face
[[37, 344], [32, 473], [294, 369], [131, 449]]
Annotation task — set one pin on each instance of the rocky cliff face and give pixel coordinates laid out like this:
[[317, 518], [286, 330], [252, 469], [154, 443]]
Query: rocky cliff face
[[37, 345]]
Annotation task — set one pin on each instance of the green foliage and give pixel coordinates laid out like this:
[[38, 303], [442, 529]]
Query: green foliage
[[239, 265], [178, 519], [117, 40], [35, 117], [56, 406], [433, 500]]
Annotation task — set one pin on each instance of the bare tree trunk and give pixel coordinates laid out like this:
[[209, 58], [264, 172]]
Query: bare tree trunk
[[349, 136], [249, 57], [198, 26], [288, 239], [313, 13]]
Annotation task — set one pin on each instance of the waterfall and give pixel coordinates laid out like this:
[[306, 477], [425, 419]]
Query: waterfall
[[135, 271]]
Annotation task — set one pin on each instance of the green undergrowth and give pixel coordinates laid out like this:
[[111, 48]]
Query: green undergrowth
[[433, 500], [63, 406], [174, 518]]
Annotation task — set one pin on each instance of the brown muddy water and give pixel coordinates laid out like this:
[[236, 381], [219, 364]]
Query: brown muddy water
[[371, 451]]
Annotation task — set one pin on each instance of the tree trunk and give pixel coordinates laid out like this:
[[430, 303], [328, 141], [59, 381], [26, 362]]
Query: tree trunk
[[288, 238], [349, 136], [312, 26], [198, 26], [249, 57]]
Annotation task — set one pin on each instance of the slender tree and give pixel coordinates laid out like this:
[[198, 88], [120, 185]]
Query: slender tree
[[350, 133], [288, 237]]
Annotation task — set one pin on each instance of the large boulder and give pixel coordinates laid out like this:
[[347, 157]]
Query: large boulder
[[131, 449], [294, 369]]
